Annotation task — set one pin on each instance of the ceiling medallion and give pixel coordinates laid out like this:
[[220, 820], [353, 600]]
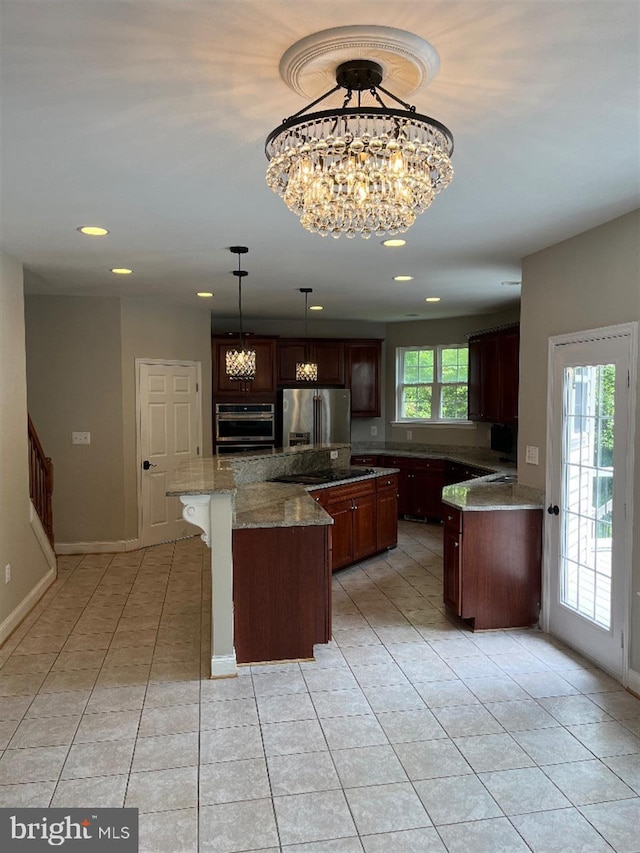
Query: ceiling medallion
[[363, 167]]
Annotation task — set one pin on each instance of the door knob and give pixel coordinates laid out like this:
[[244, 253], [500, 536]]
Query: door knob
[[553, 510], [146, 465]]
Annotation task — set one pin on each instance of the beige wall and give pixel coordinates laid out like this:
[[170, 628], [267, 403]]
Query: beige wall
[[428, 333], [75, 385], [81, 355], [18, 544], [587, 282]]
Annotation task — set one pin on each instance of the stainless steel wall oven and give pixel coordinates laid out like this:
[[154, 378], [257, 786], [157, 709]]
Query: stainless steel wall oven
[[246, 425]]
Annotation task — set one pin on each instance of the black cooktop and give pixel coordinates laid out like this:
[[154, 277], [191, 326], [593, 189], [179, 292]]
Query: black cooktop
[[320, 478]]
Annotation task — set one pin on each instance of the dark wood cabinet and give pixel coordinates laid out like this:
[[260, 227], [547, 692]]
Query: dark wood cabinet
[[493, 375], [492, 566], [281, 592], [327, 354], [363, 361], [420, 484], [365, 518], [387, 512], [264, 383], [353, 364], [458, 472]]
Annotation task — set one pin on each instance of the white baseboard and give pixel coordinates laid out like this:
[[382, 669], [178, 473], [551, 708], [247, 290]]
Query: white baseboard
[[41, 536], [223, 666], [633, 681], [97, 547], [18, 614]]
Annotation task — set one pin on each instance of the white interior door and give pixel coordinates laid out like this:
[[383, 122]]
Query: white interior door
[[590, 453], [170, 431]]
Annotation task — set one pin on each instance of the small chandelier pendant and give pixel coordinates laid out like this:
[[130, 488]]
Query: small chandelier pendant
[[307, 370], [359, 169], [240, 363]]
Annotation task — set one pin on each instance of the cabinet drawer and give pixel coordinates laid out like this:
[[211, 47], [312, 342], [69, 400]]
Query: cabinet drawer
[[352, 490], [389, 481], [452, 518], [363, 459], [429, 464], [398, 461]]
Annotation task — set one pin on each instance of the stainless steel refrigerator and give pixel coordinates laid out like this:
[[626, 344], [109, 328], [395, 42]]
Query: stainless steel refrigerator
[[315, 416]]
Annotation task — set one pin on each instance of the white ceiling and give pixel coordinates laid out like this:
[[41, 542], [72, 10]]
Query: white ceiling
[[149, 117]]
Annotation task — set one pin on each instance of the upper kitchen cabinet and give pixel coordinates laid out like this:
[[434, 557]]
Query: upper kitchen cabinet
[[363, 358], [264, 383], [493, 375], [327, 354]]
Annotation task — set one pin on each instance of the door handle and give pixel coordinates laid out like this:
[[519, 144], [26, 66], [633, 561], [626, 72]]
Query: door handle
[[146, 465], [553, 510]]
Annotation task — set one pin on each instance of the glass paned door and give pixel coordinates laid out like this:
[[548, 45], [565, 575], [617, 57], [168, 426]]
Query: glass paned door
[[587, 491], [588, 549]]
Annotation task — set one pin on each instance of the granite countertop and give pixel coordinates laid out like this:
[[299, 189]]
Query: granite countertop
[[277, 505], [375, 473], [482, 494]]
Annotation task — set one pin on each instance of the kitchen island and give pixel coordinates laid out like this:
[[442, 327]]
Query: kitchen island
[[270, 550], [493, 552]]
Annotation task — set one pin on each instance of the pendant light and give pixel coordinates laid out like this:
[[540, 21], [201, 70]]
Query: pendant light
[[240, 362], [307, 370]]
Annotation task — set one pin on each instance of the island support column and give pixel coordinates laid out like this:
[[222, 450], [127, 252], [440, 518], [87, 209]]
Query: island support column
[[214, 513]]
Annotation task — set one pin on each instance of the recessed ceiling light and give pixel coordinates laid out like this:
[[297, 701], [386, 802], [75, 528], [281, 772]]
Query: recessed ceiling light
[[432, 299], [511, 283], [316, 307], [394, 242], [121, 271], [204, 293], [92, 230], [403, 278]]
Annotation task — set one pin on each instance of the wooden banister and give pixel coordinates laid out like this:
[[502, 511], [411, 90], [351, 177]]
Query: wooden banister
[[40, 480]]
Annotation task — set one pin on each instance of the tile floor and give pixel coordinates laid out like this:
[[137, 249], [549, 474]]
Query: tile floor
[[408, 733]]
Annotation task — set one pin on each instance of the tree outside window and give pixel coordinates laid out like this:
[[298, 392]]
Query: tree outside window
[[432, 383]]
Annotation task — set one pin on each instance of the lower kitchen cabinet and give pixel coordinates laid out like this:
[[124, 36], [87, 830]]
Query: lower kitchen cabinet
[[420, 484], [492, 566], [281, 592], [387, 512], [361, 518]]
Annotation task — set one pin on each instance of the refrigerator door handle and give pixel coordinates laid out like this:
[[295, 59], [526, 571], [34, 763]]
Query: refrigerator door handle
[[317, 418]]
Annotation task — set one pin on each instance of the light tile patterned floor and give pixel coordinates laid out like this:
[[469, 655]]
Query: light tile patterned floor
[[408, 734]]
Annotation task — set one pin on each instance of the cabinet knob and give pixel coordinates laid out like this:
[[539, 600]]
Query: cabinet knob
[[449, 518], [456, 544]]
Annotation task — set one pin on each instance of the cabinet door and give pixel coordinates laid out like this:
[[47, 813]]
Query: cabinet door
[[405, 483], [363, 377], [387, 515], [364, 526], [428, 482], [509, 354], [289, 354], [452, 569], [341, 511], [474, 401], [264, 382], [329, 356]]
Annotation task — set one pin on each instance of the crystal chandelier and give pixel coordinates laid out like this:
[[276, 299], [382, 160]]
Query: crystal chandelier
[[240, 362], [307, 370], [359, 169]]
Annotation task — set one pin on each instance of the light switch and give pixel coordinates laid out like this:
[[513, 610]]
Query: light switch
[[374, 430], [80, 438], [531, 455]]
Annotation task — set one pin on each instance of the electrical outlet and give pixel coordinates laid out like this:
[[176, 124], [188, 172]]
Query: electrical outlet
[[531, 455], [374, 430], [80, 438], [7, 573], [409, 434], [334, 454]]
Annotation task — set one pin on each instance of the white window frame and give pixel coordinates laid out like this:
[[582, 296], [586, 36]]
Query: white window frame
[[436, 385]]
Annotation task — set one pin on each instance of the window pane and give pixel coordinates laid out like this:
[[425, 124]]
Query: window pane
[[453, 402], [425, 360], [455, 364], [416, 402]]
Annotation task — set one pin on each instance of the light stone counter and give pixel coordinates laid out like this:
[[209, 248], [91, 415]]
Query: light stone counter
[[483, 495], [277, 505]]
